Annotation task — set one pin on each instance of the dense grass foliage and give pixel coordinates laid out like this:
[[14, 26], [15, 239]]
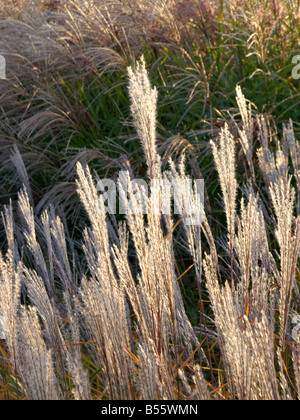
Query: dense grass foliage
[[205, 312]]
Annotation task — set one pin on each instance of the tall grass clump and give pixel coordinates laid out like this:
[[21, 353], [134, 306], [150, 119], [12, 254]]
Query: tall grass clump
[[106, 318], [65, 93]]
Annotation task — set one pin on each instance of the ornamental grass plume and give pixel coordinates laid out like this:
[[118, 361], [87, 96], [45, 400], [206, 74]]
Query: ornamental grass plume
[[288, 237], [247, 346], [279, 187], [143, 108], [34, 361], [246, 134], [224, 156]]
